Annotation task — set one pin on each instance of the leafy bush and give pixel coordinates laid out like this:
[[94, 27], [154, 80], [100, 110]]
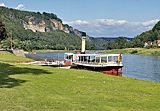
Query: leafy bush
[[148, 46], [156, 53], [154, 45], [134, 51]]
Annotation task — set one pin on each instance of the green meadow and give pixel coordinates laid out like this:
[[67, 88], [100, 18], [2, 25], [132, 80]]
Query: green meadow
[[136, 51], [38, 88]]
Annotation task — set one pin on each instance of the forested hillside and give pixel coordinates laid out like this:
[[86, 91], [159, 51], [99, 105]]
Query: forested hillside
[[150, 35], [139, 40], [3, 33], [51, 38]]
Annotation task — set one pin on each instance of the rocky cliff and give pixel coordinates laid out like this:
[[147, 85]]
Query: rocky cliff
[[40, 25]]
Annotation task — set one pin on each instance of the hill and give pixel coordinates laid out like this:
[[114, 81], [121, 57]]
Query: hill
[[99, 41], [138, 41], [150, 35], [33, 30]]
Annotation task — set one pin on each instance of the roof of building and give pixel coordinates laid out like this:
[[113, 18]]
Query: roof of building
[[148, 42], [158, 41]]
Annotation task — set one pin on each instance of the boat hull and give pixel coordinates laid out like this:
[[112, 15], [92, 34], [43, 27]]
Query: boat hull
[[111, 70]]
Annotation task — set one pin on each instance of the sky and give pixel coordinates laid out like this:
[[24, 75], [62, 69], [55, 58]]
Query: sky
[[98, 18]]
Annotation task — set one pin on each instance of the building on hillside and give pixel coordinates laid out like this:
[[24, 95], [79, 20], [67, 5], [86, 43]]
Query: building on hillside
[[158, 42], [151, 43], [147, 43]]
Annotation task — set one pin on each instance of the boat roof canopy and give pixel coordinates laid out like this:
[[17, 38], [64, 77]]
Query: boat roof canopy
[[97, 55]]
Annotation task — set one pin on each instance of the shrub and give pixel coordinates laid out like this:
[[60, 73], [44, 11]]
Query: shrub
[[154, 45], [134, 51], [148, 46], [156, 53]]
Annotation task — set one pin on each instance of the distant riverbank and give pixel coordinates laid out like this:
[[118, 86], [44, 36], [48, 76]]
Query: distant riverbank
[[136, 51], [47, 51]]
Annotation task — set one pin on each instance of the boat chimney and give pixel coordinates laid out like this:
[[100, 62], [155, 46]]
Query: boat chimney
[[83, 42]]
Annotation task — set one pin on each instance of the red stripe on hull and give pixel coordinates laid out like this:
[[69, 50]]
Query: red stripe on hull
[[112, 72]]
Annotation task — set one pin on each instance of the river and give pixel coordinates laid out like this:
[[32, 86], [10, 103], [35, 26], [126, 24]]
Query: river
[[141, 67]]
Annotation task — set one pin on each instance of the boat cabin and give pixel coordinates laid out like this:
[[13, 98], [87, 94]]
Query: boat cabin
[[95, 59]]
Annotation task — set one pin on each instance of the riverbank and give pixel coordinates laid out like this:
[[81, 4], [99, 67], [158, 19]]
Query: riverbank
[[46, 51], [136, 51], [27, 87]]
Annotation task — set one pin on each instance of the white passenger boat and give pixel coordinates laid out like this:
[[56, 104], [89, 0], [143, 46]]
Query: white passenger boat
[[106, 63]]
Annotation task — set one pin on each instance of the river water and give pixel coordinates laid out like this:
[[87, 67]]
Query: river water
[[141, 67]]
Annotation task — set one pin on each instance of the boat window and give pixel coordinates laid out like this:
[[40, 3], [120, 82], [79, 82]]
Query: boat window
[[92, 59], [76, 58], [115, 58], [86, 58], [103, 59], [110, 58], [97, 59]]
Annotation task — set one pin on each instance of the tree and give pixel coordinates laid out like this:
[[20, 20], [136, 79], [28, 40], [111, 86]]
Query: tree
[[16, 44], [3, 33], [121, 42], [138, 43]]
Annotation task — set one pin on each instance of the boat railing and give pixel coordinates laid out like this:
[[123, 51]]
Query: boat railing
[[95, 63]]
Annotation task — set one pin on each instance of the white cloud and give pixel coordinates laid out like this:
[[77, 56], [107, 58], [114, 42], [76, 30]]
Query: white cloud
[[2, 4], [111, 27], [20, 6]]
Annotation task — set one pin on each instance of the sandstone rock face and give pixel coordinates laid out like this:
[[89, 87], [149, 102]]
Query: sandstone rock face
[[56, 24], [39, 25], [35, 25], [25, 25], [66, 30], [77, 32]]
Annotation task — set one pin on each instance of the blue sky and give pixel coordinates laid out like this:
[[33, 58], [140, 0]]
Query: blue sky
[[98, 18]]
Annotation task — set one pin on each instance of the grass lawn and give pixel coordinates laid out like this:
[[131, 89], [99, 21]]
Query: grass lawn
[[28, 88], [140, 51]]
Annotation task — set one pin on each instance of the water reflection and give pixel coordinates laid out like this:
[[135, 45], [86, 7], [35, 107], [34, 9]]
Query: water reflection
[[135, 66]]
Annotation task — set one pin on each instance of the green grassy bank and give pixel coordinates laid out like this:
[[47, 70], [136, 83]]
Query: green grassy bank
[[137, 51], [37, 88]]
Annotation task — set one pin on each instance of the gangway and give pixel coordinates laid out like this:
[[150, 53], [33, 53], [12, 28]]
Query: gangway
[[54, 63]]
